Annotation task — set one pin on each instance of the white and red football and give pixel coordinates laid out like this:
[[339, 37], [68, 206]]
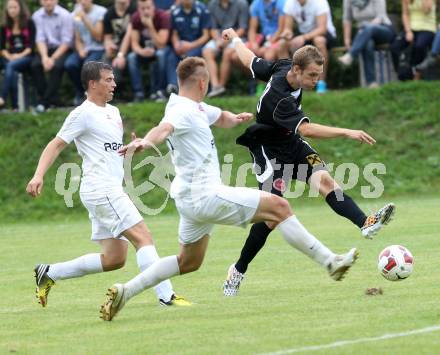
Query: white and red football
[[395, 263]]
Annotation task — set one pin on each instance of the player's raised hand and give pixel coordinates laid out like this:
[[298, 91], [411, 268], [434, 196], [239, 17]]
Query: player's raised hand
[[35, 186], [136, 145], [245, 116], [361, 136], [229, 34]]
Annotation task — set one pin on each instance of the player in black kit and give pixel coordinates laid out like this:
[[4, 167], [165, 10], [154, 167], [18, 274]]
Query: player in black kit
[[281, 154]]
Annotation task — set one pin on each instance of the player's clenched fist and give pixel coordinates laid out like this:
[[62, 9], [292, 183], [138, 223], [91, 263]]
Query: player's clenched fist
[[35, 186], [229, 34], [245, 116]]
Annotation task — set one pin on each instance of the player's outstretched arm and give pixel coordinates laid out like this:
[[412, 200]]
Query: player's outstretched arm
[[228, 119], [48, 156], [314, 130], [154, 137], [245, 54]]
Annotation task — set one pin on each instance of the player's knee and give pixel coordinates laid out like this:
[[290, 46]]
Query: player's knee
[[187, 265], [327, 183], [281, 208], [113, 263], [319, 41]]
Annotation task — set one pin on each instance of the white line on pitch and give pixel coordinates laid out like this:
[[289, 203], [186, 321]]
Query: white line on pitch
[[336, 344]]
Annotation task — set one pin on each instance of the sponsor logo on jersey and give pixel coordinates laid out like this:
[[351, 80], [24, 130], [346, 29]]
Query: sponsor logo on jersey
[[314, 159], [112, 146]]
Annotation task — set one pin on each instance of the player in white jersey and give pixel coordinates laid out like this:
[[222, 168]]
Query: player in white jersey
[[201, 199], [96, 128]]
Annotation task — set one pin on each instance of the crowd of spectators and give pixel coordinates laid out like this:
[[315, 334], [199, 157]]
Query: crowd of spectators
[[144, 40]]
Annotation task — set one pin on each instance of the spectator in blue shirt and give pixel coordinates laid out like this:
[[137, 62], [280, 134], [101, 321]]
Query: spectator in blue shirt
[[190, 22], [164, 4], [267, 15]]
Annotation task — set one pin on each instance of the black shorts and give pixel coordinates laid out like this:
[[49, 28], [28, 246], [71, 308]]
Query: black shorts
[[330, 41], [274, 172]]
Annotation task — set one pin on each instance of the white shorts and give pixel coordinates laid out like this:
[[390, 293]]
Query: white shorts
[[110, 214], [234, 206]]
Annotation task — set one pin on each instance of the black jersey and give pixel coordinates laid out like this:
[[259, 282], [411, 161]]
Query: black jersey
[[279, 111]]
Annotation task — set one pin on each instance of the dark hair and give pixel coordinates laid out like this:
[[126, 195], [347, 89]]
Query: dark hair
[[23, 17], [188, 67], [92, 71], [306, 55]]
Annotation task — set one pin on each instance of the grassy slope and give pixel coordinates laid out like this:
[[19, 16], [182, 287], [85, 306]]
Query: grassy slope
[[404, 119], [285, 301]]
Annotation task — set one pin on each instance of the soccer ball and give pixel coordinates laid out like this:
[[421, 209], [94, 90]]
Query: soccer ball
[[395, 263]]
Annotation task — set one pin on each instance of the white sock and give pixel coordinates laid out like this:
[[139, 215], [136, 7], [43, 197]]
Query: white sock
[[84, 265], [145, 257], [297, 236], [161, 270]]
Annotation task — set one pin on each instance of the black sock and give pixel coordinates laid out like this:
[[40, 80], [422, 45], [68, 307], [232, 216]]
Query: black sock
[[254, 242], [346, 207]]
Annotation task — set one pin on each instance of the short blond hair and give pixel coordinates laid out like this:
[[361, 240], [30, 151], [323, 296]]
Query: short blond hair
[[188, 69], [306, 55]]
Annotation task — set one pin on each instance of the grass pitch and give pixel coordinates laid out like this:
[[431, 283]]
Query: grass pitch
[[285, 303]]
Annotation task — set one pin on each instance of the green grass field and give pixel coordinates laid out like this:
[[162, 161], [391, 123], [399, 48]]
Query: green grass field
[[285, 303]]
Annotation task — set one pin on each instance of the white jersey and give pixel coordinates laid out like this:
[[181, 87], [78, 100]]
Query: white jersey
[[192, 146], [305, 16], [97, 132]]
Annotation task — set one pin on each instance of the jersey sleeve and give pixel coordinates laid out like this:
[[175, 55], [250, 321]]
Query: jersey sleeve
[[289, 8], [288, 114], [261, 69], [253, 10], [180, 122], [73, 127], [212, 112]]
